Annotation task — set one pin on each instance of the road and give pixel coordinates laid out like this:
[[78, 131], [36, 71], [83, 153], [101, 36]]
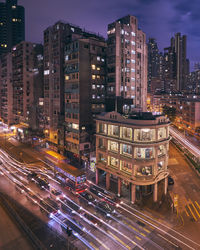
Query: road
[[126, 228]]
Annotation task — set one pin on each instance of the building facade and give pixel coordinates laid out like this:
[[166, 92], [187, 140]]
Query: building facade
[[12, 25], [133, 149], [127, 62], [6, 89], [25, 84], [85, 90]]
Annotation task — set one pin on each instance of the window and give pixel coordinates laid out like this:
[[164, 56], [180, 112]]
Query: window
[[144, 170], [102, 128], [144, 153], [133, 79], [126, 167], [133, 33], [132, 61], [102, 158], [133, 42], [113, 162], [132, 70], [162, 133], [98, 58], [113, 130], [93, 86], [144, 134], [98, 68], [160, 165], [126, 133], [102, 143], [93, 77], [133, 52], [113, 146], [161, 150], [126, 150], [66, 78], [46, 72], [93, 66]]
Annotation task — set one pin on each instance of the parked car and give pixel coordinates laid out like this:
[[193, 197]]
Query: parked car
[[170, 180], [85, 196]]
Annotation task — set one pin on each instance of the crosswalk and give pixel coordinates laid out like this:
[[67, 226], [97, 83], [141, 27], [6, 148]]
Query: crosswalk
[[192, 210]]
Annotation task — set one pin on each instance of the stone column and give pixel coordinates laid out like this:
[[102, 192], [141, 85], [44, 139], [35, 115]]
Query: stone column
[[155, 192], [97, 176], [133, 190], [166, 185], [107, 181], [119, 186]]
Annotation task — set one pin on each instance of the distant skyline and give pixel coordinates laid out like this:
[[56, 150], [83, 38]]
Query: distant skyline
[[157, 18]]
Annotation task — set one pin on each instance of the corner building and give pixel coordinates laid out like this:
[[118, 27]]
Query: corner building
[[133, 149], [127, 62]]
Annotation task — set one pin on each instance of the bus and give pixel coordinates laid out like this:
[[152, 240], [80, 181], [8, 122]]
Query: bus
[[75, 179], [72, 177]]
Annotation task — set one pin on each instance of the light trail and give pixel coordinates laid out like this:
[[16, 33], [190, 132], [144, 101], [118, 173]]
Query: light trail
[[163, 231], [177, 135], [114, 229]]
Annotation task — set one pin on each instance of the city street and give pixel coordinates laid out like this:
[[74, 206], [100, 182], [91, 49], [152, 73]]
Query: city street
[[127, 228]]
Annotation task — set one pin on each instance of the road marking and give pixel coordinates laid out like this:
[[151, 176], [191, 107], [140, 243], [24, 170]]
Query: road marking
[[146, 230], [134, 228], [118, 239], [188, 205], [137, 237], [168, 240], [195, 209], [92, 244], [197, 204], [186, 212]]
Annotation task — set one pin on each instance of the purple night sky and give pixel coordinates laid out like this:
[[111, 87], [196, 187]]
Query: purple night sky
[[160, 19]]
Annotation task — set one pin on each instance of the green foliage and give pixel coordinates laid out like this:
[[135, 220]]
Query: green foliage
[[170, 112]]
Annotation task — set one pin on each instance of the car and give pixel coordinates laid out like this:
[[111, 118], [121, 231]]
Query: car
[[31, 176], [92, 219], [57, 193], [170, 180], [85, 196], [104, 208]]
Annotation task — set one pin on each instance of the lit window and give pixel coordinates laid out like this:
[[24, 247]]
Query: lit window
[[75, 126], [93, 86], [126, 149], [93, 96], [132, 61], [98, 68], [133, 52], [133, 33], [102, 59], [93, 66], [113, 146], [132, 79], [133, 42], [126, 167], [93, 77], [122, 32], [66, 78], [132, 70], [13, 7], [113, 162], [98, 58], [132, 88], [46, 72], [98, 76], [66, 57]]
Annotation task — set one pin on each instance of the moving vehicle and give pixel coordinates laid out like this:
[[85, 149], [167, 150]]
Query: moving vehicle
[[104, 208], [57, 193], [49, 207], [92, 219], [73, 178], [42, 183], [85, 196]]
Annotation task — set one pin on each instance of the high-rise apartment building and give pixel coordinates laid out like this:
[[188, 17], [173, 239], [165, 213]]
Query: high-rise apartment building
[[85, 90], [12, 25], [155, 67], [6, 89], [25, 81], [56, 38], [176, 63], [127, 62], [179, 43]]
